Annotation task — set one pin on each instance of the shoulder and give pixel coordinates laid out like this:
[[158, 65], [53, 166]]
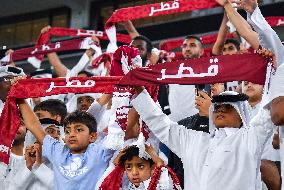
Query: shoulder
[[187, 122], [99, 150]]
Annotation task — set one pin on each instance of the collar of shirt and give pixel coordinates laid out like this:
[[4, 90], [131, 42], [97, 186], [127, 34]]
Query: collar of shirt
[[255, 109], [225, 132]]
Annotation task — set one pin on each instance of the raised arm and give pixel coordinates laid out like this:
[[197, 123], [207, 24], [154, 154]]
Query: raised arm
[[267, 36], [176, 137], [129, 27], [93, 46], [240, 23], [222, 33], [54, 60], [60, 69], [31, 121], [132, 128]]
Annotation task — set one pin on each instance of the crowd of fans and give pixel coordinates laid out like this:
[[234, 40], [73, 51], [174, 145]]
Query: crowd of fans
[[198, 137]]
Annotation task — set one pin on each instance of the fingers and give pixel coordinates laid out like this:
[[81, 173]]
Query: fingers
[[9, 52], [29, 148], [38, 154], [16, 79], [96, 40], [267, 54], [199, 100], [45, 29], [149, 148], [204, 95]]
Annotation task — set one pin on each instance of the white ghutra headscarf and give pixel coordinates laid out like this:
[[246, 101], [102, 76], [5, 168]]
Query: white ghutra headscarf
[[238, 101]]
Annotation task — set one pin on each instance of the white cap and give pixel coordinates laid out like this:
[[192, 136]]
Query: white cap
[[11, 71]]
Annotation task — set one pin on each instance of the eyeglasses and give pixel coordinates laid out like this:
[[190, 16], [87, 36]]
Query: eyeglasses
[[223, 108]]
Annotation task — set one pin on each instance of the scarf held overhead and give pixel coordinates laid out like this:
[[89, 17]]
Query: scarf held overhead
[[59, 31], [157, 9], [42, 47], [31, 88], [151, 10], [247, 67], [208, 70]]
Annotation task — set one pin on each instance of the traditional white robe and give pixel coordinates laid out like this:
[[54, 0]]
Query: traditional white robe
[[227, 160]]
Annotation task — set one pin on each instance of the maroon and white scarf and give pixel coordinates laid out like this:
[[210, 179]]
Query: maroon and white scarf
[[151, 10], [114, 180], [124, 58], [35, 54], [248, 67]]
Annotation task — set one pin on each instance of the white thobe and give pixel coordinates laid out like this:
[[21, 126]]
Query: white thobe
[[181, 101], [269, 153], [267, 36], [17, 176], [230, 163]]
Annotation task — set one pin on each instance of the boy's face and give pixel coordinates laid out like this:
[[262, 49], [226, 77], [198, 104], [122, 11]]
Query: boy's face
[[41, 114], [225, 115], [78, 137], [53, 131], [137, 170], [84, 102]]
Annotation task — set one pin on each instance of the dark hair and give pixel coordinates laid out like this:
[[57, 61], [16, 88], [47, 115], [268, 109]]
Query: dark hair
[[148, 42], [233, 41], [194, 37], [130, 153], [83, 118], [86, 73], [53, 106]]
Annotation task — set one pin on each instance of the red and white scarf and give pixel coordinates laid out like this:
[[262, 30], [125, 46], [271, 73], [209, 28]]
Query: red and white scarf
[[35, 54], [113, 180], [151, 10], [25, 53], [207, 70], [124, 59], [248, 67], [32, 88]]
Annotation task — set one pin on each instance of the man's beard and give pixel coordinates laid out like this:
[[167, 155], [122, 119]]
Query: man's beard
[[193, 56]]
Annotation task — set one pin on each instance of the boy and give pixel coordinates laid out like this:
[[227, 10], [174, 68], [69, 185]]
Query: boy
[[139, 171], [52, 109], [80, 162], [228, 157]]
